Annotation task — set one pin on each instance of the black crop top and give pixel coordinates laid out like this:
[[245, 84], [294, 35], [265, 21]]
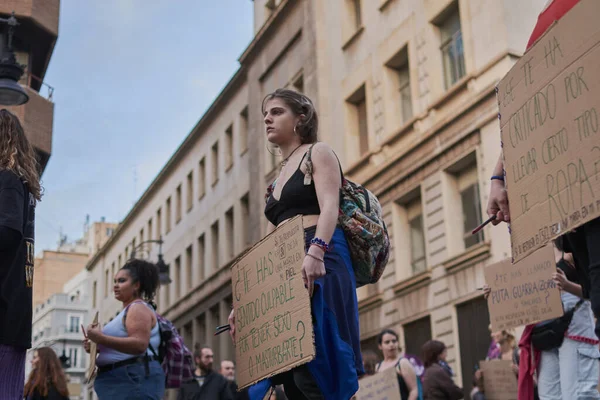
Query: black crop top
[[296, 198]]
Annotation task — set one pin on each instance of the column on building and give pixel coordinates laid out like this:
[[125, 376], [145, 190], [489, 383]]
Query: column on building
[[225, 344]]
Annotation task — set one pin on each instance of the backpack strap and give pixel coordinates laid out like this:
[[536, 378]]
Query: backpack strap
[[309, 166], [310, 169], [127, 308]]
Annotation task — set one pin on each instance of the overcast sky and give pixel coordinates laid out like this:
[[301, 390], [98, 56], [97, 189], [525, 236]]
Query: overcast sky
[[131, 79]]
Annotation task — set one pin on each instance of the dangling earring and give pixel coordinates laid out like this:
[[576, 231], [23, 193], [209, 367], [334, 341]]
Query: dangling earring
[[295, 133]]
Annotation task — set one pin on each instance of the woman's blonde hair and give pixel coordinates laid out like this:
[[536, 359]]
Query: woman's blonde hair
[[17, 154]]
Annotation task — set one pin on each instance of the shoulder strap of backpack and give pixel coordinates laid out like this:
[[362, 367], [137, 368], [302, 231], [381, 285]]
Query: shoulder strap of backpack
[[127, 309], [309, 164]]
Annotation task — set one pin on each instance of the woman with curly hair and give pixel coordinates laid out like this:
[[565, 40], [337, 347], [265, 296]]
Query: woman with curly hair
[[47, 380], [128, 366], [19, 192]]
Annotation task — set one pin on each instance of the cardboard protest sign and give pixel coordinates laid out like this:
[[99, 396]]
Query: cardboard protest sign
[[93, 353], [499, 380], [381, 386], [549, 120], [523, 293], [273, 321]]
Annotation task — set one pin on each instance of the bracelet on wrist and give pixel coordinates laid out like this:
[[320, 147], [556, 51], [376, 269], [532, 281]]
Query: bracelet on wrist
[[497, 177], [315, 257], [320, 243]]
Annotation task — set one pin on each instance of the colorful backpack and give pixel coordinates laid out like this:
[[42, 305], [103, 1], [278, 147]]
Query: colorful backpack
[[176, 359], [361, 219]]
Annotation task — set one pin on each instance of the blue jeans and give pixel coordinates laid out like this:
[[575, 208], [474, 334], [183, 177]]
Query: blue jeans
[[130, 382], [569, 372]]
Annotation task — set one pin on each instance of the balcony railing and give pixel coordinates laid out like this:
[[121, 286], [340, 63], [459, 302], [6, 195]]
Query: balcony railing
[[46, 90]]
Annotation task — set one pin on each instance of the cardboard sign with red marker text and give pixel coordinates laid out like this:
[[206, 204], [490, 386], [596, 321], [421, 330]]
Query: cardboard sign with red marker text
[[550, 125], [273, 322]]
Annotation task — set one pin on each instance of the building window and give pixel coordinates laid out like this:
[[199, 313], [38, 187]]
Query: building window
[[244, 130], [188, 267], [106, 284], [168, 212], [299, 84], [399, 77], [271, 6], [245, 209], [356, 13], [159, 223], [202, 178], [418, 260], [229, 234], [464, 204], [74, 322], [112, 271], [150, 229], [229, 147], [190, 191], [201, 255], [416, 333], [120, 264], [216, 260], [109, 232], [141, 235], [358, 119], [133, 246], [178, 201], [452, 48], [73, 357], [471, 209], [126, 253], [94, 294], [177, 280], [410, 250], [215, 163]]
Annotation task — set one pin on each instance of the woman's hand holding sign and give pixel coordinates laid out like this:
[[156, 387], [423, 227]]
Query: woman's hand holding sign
[[313, 268]]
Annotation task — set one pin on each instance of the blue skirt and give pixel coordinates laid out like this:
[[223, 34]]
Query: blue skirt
[[338, 361]]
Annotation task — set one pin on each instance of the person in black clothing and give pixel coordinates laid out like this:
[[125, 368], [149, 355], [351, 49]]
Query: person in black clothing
[[19, 191], [47, 379], [207, 384], [228, 371]]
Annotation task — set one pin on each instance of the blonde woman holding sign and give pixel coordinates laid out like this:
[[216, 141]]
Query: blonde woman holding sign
[[309, 184]]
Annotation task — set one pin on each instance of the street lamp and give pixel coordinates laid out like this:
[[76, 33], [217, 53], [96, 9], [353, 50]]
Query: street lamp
[[65, 361], [11, 93], [163, 268]]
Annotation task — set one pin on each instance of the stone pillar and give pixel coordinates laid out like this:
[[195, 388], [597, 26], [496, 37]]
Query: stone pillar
[[225, 344], [196, 332], [209, 329]]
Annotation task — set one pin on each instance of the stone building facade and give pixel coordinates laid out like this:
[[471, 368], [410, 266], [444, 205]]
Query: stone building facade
[[405, 95]]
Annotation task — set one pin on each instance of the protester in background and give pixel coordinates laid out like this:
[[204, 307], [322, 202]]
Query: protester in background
[[47, 379], [370, 363], [494, 349], [392, 358], [228, 371], [19, 191], [207, 384], [309, 185], [571, 370], [128, 345], [582, 242], [437, 380], [478, 392]]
